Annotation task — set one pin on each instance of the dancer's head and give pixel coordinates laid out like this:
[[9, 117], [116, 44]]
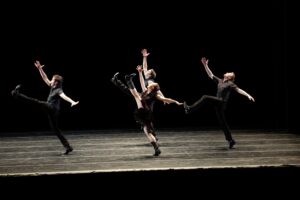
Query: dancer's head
[[150, 73], [230, 76], [56, 81]]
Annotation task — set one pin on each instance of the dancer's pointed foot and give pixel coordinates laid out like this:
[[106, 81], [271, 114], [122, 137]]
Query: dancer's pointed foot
[[115, 77], [130, 76], [186, 108], [16, 90]]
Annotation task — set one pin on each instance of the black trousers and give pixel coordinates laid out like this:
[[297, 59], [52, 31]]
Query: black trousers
[[219, 106], [52, 113]]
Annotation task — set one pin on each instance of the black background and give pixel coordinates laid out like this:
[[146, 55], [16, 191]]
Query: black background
[[88, 43]]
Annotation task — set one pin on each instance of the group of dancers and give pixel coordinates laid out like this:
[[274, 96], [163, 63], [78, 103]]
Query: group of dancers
[[145, 99]]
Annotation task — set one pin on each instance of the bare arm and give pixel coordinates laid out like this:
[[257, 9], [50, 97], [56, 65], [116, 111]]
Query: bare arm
[[167, 100], [145, 64], [43, 74], [68, 99], [142, 81], [160, 93], [242, 92], [205, 64]]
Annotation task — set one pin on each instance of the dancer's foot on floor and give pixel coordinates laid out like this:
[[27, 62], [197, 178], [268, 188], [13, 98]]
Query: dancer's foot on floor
[[231, 144], [157, 152], [68, 150]]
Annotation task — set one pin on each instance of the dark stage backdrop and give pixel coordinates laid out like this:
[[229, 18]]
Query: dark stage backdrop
[[87, 46]]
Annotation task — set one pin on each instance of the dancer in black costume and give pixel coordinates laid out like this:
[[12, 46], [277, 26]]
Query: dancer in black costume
[[52, 105], [224, 87]]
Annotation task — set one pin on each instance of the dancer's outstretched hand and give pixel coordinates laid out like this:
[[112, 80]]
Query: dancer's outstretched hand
[[178, 103], [74, 103], [38, 64]]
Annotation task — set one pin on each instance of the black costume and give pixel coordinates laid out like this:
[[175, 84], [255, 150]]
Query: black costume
[[219, 102], [51, 107]]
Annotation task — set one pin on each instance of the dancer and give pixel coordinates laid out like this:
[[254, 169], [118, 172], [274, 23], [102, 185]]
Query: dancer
[[148, 75], [145, 100], [224, 87], [52, 105]]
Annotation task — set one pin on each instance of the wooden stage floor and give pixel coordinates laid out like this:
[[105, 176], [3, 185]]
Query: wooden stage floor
[[105, 151]]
